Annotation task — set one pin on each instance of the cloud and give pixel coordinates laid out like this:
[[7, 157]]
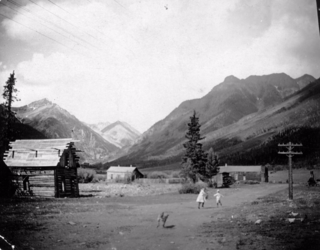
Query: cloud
[[136, 60]]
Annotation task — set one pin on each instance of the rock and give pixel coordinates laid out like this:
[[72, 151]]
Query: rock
[[71, 223], [291, 220], [258, 222]]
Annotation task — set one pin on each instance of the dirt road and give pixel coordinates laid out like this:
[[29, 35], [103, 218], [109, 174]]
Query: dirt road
[[120, 223], [182, 231]]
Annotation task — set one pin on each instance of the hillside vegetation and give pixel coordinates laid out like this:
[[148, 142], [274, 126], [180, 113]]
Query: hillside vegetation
[[243, 120]]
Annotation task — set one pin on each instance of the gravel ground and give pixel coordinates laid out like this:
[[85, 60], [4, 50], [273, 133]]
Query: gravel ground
[[119, 189]]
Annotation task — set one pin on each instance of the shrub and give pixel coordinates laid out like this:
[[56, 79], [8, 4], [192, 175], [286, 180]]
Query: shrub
[[174, 180], [118, 180], [175, 174], [86, 175], [158, 175], [212, 184], [99, 178], [191, 188], [278, 168], [127, 179], [251, 182]]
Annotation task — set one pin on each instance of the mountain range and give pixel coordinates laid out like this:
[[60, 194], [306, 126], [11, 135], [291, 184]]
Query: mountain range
[[240, 119], [236, 116], [120, 134], [53, 121]]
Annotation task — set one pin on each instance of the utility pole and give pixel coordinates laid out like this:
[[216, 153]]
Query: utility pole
[[290, 154]]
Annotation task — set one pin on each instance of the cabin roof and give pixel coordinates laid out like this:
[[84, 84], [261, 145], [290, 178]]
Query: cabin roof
[[233, 169], [36, 153], [120, 169]]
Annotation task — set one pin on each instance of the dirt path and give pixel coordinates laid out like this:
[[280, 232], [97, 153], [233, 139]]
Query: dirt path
[[183, 223], [120, 223]]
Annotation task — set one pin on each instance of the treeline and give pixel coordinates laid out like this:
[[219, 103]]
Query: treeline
[[267, 152], [258, 154]]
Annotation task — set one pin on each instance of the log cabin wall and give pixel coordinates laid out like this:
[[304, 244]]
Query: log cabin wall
[[45, 168], [66, 182]]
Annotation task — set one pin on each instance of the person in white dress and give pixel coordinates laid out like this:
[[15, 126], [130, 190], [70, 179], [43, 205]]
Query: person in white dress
[[202, 197]]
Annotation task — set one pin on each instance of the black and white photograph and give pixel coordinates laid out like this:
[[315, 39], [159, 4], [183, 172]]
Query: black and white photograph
[[160, 124]]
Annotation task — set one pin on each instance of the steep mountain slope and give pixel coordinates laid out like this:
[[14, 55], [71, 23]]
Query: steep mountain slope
[[98, 126], [120, 134], [304, 80], [20, 130], [231, 112], [55, 122]]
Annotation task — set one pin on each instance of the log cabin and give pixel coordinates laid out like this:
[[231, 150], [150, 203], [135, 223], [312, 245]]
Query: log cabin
[[44, 167]]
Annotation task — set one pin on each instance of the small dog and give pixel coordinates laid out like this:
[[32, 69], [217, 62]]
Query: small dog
[[162, 217]]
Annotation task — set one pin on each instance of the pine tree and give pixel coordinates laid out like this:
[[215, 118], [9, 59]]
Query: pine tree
[[212, 167], [10, 96], [196, 167]]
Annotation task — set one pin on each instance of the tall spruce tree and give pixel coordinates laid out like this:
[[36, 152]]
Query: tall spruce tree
[[212, 167], [9, 95], [195, 159]]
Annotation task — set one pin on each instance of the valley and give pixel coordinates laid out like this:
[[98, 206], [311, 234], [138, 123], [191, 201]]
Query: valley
[[159, 125], [237, 117], [241, 119]]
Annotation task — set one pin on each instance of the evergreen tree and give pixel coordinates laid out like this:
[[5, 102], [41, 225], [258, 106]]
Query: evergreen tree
[[212, 167], [10, 96], [195, 159], [189, 172]]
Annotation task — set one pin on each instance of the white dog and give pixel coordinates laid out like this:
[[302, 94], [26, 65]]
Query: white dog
[[162, 217]]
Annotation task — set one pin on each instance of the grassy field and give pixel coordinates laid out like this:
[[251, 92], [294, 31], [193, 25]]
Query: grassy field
[[165, 168]]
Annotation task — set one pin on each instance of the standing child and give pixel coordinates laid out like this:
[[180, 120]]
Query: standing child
[[218, 198], [202, 197]]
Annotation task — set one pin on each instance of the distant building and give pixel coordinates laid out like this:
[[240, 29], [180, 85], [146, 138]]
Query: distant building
[[121, 172], [240, 173]]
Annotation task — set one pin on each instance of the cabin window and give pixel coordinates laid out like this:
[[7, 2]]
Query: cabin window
[[111, 176]]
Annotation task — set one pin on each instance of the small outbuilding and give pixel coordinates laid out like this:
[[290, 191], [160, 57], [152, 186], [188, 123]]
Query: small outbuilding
[[44, 167], [240, 173], [122, 172]]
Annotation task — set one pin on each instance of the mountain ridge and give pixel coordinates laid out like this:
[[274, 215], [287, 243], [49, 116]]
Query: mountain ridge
[[226, 104], [121, 134], [55, 122]]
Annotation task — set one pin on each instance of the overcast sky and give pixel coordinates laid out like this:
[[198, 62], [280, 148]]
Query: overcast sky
[[137, 60]]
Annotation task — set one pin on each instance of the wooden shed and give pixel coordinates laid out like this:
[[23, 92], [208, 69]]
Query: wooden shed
[[122, 172], [44, 167], [240, 173]]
